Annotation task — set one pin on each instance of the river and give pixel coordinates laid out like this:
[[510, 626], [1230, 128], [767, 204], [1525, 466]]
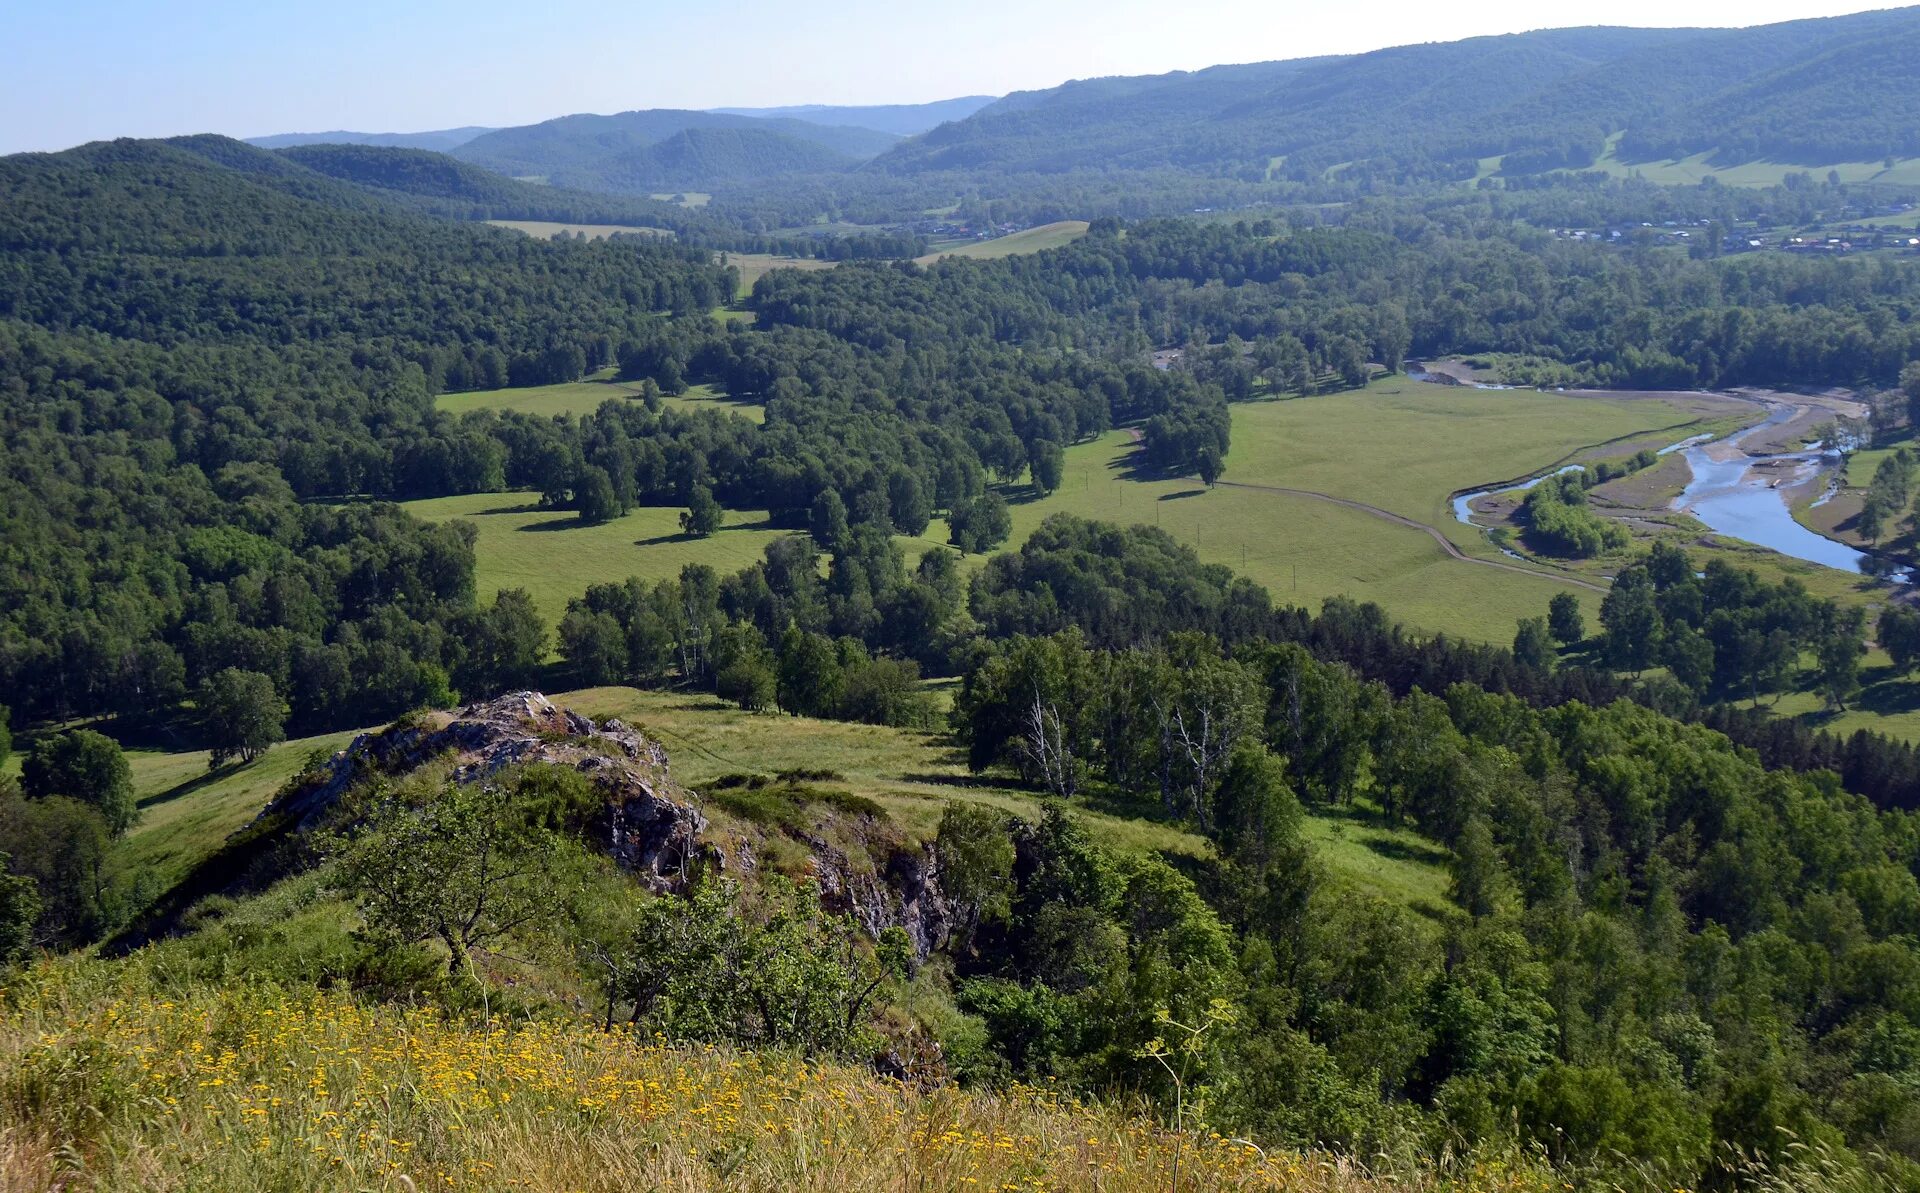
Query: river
[[1745, 497], [1742, 496]]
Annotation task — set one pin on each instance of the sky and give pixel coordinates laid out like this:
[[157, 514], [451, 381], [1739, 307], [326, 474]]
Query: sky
[[80, 70]]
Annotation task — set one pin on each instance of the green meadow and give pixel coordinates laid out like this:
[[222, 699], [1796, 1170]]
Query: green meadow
[[754, 266], [1688, 171], [554, 556], [579, 398], [1399, 445], [1030, 240]]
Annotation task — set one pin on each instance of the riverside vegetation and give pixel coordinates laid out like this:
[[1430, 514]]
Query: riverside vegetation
[[1638, 930]]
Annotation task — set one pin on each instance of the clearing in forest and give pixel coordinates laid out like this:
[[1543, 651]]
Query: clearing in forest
[[548, 229], [1032, 240]]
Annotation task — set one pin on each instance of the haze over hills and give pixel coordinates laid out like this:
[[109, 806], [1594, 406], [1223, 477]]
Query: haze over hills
[[600, 152], [439, 140], [1516, 105], [903, 119]]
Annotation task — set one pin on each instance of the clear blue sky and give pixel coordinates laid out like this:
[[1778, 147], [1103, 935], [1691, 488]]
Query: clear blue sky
[[81, 70]]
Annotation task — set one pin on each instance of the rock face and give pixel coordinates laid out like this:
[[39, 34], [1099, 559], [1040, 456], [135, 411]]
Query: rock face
[[651, 826], [904, 893]]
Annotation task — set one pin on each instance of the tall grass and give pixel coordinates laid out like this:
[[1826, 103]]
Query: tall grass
[[108, 1082]]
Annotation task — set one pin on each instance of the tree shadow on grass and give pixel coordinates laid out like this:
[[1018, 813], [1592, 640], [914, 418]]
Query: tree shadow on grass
[[1888, 696], [1417, 852], [1182, 494], [708, 704], [529, 507], [965, 782], [188, 787], [569, 522]]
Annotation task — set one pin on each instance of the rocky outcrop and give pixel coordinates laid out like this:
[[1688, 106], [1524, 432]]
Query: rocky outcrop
[[651, 826], [904, 893]]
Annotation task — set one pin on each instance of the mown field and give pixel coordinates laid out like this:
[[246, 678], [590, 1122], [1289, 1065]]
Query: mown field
[[547, 229], [1030, 240]]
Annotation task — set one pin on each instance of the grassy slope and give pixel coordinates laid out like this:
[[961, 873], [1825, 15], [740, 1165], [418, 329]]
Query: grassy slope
[[186, 814], [186, 811], [1687, 171], [156, 1090], [1030, 240], [584, 397]]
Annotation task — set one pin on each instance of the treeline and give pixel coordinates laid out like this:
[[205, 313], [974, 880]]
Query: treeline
[[1638, 320]]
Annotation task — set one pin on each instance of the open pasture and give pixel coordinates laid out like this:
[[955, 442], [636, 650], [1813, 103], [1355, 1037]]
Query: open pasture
[[583, 397], [1031, 240], [754, 266], [554, 556], [1689, 171], [1401, 446]]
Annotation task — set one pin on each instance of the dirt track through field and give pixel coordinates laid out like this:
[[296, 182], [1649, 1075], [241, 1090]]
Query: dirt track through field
[[1446, 544]]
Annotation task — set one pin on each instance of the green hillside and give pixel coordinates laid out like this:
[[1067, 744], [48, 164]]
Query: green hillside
[[1548, 99]]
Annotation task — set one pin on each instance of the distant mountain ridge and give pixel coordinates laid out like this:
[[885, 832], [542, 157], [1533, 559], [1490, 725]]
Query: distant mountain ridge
[[439, 140], [1802, 93], [1813, 91], [614, 152], [903, 120]]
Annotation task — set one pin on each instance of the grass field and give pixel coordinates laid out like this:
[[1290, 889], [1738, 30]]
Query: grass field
[[140, 1081], [1421, 443], [584, 397], [754, 266], [1032, 240], [547, 229], [186, 810], [685, 198], [1687, 171], [555, 557]]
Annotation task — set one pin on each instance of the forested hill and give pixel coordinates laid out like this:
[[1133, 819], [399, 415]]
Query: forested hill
[[596, 152], [1811, 92], [441, 185], [694, 158]]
